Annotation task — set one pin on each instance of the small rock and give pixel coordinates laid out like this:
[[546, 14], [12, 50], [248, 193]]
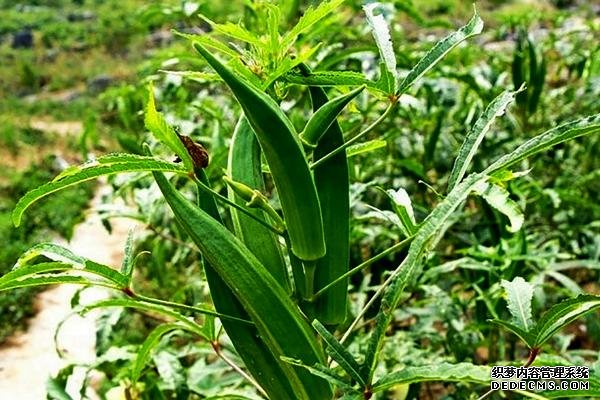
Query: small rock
[[82, 16], [22, 39], [99, 83], [67, 96], [203, 28], [59, 164], [79, 47], [50, 55], [160, 38]]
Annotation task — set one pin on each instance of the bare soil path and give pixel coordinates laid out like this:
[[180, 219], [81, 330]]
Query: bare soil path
[[30, 358]]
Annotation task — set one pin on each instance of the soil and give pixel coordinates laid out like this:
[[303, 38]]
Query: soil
[[28, 154], [29, 358]]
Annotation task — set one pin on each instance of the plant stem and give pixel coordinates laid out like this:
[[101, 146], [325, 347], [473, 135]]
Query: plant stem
[[368, 129], [180, 306], [217, 348], [309, 278], [364, 310], [533, 353], [297, 270], [225, 200], [398, 246]]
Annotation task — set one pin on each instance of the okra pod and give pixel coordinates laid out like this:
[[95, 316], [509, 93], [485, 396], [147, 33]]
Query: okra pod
[[279, 322], [325, 116], [287, 162], [257, 357], [332, 181], [244, 167]]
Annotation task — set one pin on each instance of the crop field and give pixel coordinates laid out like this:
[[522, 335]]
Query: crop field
[[335, 199]]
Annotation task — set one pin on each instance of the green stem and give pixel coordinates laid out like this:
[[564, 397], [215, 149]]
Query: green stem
[[368, 129], [533, 353], [275, 217], [225, 200], [217, 348], [309, 278], [186, 307], [364, 264], [297, 270], [366, 307]]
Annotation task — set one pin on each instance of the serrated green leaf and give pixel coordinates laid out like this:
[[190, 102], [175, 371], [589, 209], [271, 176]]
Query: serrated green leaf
[[381, 33], [144, 351], [289, 63], [527, 337], [475, 136], [52, 251], [58, 272], [311, 17], [29, 270], [386, 82], [434, 273], [92, 170], [45, 280], [208, 41], [340, 354], [365, 147], [186, 322], [498, 197], [433, 56], [106, 272], [63, 255], [198, 76], [445, 372], [329, 78], [592, 392], [519, 293], [272, 23], [403, 208], [562, 314], [128, 258], [156, 123], [436, 220], [322, 371], [552, 137], [233, 31]]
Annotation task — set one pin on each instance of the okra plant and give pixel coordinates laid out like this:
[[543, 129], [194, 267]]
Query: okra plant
[[279, 273]]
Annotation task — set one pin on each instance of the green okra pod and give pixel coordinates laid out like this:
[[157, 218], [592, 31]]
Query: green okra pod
[[257, 357], [332, 181], [245, 170], [278, 321], [325, 116], [287, 162]]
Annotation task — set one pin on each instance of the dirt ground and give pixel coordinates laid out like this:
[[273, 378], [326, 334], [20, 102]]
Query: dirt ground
[[30, 357]]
